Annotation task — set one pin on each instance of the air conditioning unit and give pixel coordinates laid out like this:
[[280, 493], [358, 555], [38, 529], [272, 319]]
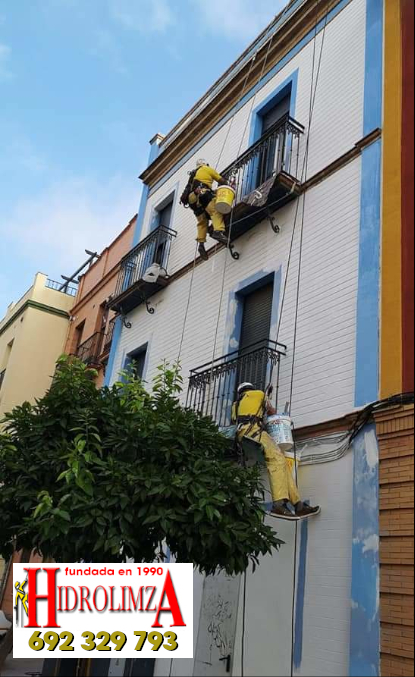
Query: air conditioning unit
[[153, 273]]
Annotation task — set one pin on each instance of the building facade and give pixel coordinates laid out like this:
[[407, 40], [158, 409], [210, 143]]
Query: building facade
[[32, 336], [312, 123], [92, 323]]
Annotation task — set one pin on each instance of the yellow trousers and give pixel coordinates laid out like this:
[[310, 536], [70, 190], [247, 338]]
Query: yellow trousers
[[203, 221], [281, 480]]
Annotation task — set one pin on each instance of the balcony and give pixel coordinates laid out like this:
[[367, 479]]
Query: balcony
[[267, 175], [90, 350], [63, 287], [212, 387], [107, 342], [132, 289]]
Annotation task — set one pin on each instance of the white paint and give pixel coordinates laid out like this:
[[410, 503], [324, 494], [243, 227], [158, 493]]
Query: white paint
[[336, 125], [372, 451], [324, 380], [371, 544], [325, 356]]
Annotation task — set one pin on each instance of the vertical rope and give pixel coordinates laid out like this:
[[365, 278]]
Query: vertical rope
[[187, 306]]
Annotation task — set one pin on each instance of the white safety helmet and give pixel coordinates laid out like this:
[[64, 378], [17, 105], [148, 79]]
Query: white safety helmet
[[201, 162], [244, 386]]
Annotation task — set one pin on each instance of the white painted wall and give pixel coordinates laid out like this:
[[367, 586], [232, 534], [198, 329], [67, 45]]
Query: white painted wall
[[325, 362], [270, 592], [337, 122], [325, 357]]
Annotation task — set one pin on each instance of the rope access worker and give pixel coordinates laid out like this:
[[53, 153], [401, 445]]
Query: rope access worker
[[248, 413], [200, 197]]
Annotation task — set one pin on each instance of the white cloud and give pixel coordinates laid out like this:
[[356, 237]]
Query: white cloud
[[144, 16], [5, 72], [52, 230], [240, 20]]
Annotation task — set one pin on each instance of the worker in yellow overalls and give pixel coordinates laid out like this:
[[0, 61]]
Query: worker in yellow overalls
[[248, 413], [202, 201]]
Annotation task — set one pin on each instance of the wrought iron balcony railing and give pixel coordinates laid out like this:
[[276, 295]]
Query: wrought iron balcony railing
[[62, 287], [267, 174], [132, 289], [212, 387], [2, 375], [109, 336], [90, 350]]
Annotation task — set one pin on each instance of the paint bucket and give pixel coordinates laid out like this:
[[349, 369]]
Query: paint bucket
[[225, 196], [279, 427]]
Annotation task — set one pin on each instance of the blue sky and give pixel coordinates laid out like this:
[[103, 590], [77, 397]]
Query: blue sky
[[84, 85]]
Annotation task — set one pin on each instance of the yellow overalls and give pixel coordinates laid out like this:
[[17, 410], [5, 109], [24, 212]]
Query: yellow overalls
[[207, 176], [281, 480]]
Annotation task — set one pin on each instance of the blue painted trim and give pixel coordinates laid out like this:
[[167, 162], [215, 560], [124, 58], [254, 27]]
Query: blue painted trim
[[114, 347], [368, 311], [373, 66], [289, 86], [293, 52], [170, 196], [300, 593], [368, 320], [235, 305], [128, 358], [154, 151], [365, 620]]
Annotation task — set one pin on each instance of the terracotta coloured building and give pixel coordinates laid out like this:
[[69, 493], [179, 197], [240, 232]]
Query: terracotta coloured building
[[92, 324]]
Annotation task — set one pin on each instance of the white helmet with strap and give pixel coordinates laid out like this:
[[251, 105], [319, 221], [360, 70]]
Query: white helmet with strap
[[201, 162], [245, 386]]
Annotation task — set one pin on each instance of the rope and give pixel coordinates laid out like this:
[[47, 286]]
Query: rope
[[234, 115], [188, 304]]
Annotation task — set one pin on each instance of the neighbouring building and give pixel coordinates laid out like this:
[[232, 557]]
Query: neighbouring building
[[92, 323], [315, 124], [32, 336]]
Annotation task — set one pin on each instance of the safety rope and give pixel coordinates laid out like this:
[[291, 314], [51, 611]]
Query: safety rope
[[189, 295]]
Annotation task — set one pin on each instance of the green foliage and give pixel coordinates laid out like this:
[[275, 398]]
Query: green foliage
[[102, 475]]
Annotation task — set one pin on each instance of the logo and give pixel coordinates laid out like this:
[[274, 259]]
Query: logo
[[21, 601]]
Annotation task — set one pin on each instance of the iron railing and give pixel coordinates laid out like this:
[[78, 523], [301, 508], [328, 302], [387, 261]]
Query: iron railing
[[62, 287], [90, 350], [109, 336], [278, 150], [2, 375], [212, 387], [155, 248]]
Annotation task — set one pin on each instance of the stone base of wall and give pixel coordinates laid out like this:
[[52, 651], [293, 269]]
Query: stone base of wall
[[395, 430]]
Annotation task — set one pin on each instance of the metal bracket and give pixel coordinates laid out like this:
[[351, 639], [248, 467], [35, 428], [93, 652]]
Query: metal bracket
[[126, 323], [274, 225], [235, 255], [228, 660], [149, 307]]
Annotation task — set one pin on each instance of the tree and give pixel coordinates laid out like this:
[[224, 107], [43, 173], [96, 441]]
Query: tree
[[102, 475]]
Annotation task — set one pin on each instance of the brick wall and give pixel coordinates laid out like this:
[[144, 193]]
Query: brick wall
[[395, 429]]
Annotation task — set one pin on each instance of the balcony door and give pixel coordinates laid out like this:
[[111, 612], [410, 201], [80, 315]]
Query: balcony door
[[255, 332], [271, 159]]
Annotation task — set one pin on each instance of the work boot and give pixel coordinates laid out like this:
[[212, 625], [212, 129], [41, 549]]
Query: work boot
[[219, 236], [202, 252], [279, 509], [303, 510]]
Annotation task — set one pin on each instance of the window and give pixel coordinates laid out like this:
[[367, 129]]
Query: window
[[136, 361], [256, 326], [271, 161], [164, 215]]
